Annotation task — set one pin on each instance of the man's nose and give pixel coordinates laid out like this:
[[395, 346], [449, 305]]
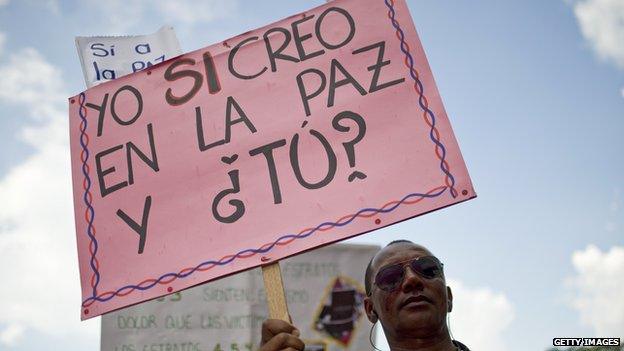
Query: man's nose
[[413, 281]]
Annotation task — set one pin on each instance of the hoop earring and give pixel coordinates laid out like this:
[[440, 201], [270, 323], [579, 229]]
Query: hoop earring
[[370, 337], [448, 326]]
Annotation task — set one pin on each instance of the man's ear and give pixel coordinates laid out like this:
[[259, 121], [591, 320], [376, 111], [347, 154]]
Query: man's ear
[[449, 299], [370, 310]]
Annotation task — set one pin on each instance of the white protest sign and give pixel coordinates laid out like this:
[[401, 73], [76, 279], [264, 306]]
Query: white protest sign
[[105, 58], [324, 290]]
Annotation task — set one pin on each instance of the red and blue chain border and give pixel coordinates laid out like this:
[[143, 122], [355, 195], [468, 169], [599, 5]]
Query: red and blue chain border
[[167, 278], [246, 253], [87, 197], [428, 115]]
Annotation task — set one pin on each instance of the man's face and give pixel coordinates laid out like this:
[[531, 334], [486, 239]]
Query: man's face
[[418, 306]]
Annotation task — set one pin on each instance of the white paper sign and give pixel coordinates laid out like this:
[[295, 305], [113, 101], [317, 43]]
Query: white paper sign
[[324, 289], [105, 58]]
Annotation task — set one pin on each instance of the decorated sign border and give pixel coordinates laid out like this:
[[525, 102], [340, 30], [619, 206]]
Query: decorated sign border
[[167, 278]]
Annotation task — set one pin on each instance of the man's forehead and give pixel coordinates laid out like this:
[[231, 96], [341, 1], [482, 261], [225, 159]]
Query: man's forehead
[[399, 252]]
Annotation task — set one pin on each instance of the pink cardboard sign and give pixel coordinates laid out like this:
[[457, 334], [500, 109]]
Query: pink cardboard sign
[[314, 129]]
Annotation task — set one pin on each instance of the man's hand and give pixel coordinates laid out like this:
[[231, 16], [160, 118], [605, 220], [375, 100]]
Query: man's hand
[[278, 335]]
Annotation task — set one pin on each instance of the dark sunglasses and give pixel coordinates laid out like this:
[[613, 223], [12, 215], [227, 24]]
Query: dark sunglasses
[[391, 277]]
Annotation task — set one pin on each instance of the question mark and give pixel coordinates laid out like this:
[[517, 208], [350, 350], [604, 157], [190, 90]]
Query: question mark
[[350, 145]]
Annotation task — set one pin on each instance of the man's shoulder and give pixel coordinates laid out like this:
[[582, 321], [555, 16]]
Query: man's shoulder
[[461, 346]]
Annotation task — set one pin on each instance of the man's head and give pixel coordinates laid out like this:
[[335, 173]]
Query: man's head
[[417, 305]]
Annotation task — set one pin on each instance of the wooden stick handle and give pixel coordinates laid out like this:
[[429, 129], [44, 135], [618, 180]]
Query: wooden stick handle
[[274, 288]]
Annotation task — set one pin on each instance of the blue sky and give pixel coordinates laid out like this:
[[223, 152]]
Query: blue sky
[[534, 90]]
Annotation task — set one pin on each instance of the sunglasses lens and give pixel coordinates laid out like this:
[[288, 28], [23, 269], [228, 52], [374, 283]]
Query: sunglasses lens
[[428, 267], [388, 278]]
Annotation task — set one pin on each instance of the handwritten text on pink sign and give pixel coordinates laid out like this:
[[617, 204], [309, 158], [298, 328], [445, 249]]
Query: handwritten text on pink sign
[[312, 130]]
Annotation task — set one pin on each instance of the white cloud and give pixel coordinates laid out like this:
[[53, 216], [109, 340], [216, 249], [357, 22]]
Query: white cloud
[[602, 24], [124, 15], [622, 92], [597, 289], [37, 236], [3, 2], [11, 335], [479, 318], [29, 80]]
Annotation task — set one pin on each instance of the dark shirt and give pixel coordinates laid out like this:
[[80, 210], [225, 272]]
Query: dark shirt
[[461, 346]]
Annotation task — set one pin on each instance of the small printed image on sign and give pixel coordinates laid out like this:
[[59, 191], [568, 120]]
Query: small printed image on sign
[[340, 310]]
